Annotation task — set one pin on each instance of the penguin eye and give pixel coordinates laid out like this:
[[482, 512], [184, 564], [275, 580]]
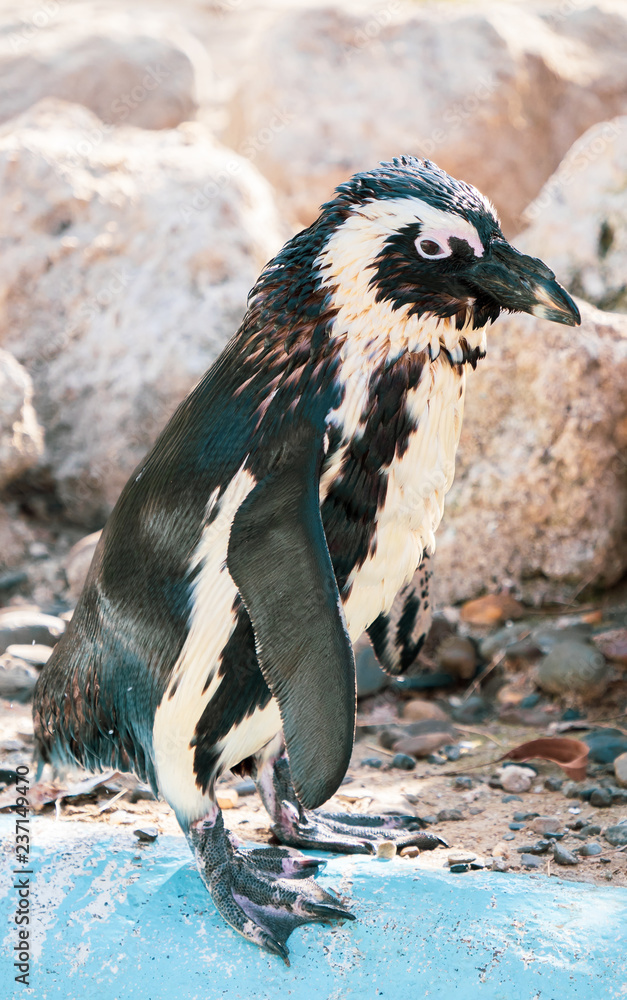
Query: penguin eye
[[431, 250]]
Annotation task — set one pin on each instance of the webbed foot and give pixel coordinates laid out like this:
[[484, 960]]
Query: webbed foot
[[252, 891], [347, 833]]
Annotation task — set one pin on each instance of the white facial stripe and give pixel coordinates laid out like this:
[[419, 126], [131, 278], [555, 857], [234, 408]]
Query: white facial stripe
[[394, 213]]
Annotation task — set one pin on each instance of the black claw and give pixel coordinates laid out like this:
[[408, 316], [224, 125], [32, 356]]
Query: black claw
[[277, 948], [326, 911]]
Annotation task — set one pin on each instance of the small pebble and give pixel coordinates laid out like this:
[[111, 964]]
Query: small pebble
[[372, 762], [245, 787], [227, 798], [457, 655], [617, 835], [461, 857], [403, 762], [571, 789], [606, 745], [459, 869], [563, 856], [521, 817], [509, 836], [498, 865], [451, 752], [386, 849], [590, 850], [448, 815], [517, 826], [410, 852], [472, 710], [591, 830], [516, 779], [530, 861], [574, 667], [601, 797], [476, 810], [511, 798], [544, 824], [553, 835], [436, 758], [146, 833], [553, 784], [462, 783]]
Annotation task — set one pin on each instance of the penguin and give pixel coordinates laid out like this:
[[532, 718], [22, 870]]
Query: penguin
[[283, 511]]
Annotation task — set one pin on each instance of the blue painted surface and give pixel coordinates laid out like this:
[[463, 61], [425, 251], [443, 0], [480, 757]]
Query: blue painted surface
[[110, 927]]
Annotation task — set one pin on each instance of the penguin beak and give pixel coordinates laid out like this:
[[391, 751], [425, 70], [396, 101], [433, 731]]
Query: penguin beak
[[523, 284]]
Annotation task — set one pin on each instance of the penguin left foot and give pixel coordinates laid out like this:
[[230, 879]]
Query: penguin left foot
[[250, 887], [347, 833]]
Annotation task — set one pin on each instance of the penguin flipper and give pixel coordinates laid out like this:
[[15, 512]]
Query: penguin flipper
[[280, 562], [398, 636]]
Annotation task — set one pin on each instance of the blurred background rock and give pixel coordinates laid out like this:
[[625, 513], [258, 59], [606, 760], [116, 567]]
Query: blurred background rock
[[152, 160]]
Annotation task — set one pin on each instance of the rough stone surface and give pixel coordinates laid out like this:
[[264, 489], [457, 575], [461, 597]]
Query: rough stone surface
[[541, 485], [574, 668], [21, 437], [147, 243], [125, 66], [516, 779], [579, 219], [546, 824], [440, 81]]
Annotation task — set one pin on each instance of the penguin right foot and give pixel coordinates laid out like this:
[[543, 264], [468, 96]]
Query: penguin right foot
[[252, 890]]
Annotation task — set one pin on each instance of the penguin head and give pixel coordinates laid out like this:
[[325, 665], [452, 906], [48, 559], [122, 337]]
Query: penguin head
[[409, 235]]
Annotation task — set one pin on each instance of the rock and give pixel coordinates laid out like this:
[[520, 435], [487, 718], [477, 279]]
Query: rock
[[530, 861], [620, 769], [148, 834], [462, 783], [452, 752], [448, 83], [553, 783], [27, 626], [21, 437], [227, 798], [148, 243], [245, 787], [589, 850], [509, 836], [124, 66], [491, 609], [508, 798], [498, 865], [571, 789], [562, 856], [613, 645], [574, 668], [17, 680], [403, 762], [460, 857], [601, 798], [458, 656], [421, 745], [502, 639], [34, 654], [500, 850], [516, 826], [418, 709], [471, 710], [524, 817], [546, 824], [78, 561], [516, 779], [410, 852], [591, 830], [370, 677], [580, 218], [617, 835], [552, 437], [386, 849], [547, 638], [450, 815], [605, 745], [372, 762]]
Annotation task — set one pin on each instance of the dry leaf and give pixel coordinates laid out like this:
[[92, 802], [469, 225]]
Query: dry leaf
[[491, 609], [570, 755]]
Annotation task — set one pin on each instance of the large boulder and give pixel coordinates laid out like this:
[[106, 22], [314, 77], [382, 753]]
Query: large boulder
[[540, 491], [495, 95], [125, 66], [125, 270], [21, 437], [578, 222]]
